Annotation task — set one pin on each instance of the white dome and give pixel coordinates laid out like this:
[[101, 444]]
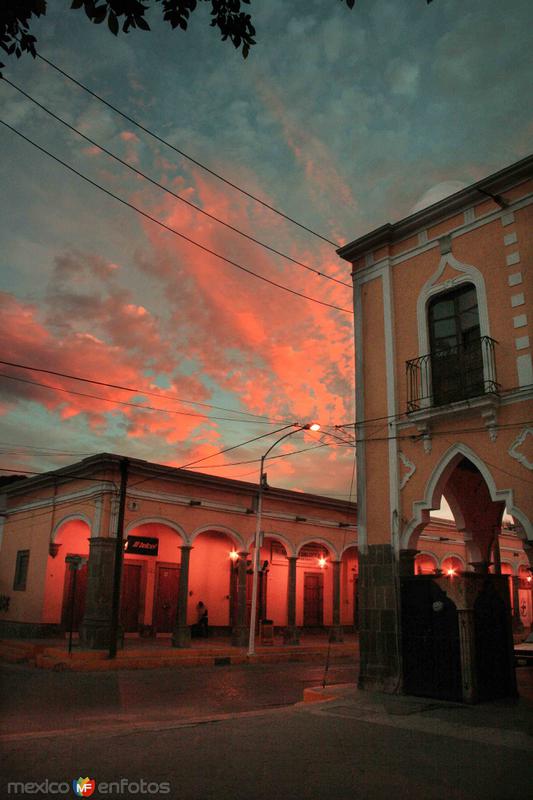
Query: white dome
[[436, 193]]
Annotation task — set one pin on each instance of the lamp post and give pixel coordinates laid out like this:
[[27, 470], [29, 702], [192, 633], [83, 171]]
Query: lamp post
[[257, 545]]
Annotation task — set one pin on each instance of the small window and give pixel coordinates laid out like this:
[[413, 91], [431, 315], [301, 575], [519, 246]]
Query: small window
[[21, 570]]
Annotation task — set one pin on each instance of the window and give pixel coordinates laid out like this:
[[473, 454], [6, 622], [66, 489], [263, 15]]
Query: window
[[455, 341], [21, 570]]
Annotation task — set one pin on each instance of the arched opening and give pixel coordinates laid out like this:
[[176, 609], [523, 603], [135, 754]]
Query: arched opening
[[62, 605], [214, 579], [314, 568], [425, 564], [150, 578], [478, 590]]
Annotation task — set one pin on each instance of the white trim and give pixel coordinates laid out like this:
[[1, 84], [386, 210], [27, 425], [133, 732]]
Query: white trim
[[347, 547], [522, 343], [333, 553], [62, 499], [509, 239], [452, 555], [214, 528], [431, 501], [394, 489], [76, 516], [136, 523], [520, 321], [360, 414], [515, 279], [512, 259], [460, 230], [514, 448], [524, 369], [411, 468], [507, 218], [288, 545], [517, 300], [466, 274]]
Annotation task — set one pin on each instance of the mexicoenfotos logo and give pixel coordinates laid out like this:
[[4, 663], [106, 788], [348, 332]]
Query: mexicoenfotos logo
[[84, 787]]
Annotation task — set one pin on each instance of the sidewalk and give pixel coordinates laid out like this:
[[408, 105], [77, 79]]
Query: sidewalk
[[154, 653]]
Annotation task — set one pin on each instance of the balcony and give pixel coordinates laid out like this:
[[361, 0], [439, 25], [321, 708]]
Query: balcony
[[449, 376]]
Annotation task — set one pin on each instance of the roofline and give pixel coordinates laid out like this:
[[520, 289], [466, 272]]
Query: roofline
[[391, 232], [101, 461]]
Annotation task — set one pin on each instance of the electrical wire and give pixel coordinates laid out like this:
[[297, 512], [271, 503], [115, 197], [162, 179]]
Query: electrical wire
[[182, 153], [169, 228], [135, 390], [170, 192], [129, 404]]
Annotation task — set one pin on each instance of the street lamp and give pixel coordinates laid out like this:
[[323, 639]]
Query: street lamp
[[310, 426]]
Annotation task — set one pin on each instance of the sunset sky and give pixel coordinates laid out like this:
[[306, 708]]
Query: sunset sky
[[344, 120]]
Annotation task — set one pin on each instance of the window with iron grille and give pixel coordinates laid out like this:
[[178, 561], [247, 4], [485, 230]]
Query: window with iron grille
[[21, 570], [456, 347]]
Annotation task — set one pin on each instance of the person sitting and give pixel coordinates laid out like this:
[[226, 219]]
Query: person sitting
[[202, 624]]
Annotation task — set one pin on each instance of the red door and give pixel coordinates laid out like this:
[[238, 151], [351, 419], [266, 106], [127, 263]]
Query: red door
[[313, 592], [130, 596], [166, 598], [79, 598]]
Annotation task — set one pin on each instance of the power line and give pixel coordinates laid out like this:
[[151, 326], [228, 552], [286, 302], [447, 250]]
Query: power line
[[182, 153], [169, 228], [132, 405], [170, 192], [135, 390]]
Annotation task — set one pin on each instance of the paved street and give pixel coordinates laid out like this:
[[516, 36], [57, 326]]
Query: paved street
[[195, 730], [36, 700]]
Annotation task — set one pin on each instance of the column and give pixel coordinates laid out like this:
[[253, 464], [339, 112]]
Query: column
[[95, 629], [336, 632], [481, 567], [468, 655], [291, 634], [239, 635], [181, 635], [518, 626], [407, 563]]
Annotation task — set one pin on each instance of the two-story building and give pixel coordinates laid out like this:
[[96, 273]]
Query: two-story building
[[443, 337]]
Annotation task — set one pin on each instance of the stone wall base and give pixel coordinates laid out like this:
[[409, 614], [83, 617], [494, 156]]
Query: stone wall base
[[380, 658], [30, 630]]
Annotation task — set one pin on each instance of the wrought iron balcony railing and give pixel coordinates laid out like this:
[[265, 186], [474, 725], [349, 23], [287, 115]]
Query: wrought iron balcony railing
[[456, 373]]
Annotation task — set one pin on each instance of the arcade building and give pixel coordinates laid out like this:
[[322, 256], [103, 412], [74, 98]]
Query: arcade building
[[188, 538]]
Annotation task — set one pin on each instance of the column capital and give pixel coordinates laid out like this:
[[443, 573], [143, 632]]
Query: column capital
[[185, 546]]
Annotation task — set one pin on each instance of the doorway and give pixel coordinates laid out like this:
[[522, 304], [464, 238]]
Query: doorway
[[166, 597], [313, 599]]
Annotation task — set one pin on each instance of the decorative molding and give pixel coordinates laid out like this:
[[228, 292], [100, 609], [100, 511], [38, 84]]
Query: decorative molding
[[410, 467], [514, 450], [512, 259]]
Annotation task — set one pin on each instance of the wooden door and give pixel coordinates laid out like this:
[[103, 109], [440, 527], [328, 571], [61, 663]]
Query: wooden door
[[166, 598], [313, 599], [79, 597], [130, 597]]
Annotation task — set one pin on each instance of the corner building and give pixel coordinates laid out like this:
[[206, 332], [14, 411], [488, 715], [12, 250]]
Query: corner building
[[443, 335]]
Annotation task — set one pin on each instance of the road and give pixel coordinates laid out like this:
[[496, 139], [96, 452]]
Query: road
[[40, 700], [215, 733]]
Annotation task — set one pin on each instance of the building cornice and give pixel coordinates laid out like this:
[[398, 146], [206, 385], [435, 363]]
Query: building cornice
[[391, 233]]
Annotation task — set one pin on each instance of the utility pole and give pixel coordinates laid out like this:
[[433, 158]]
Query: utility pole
[[119, 556]]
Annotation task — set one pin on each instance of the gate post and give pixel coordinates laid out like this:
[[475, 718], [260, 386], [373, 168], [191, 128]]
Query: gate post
[[291, 633], [239, 635], [181, 635], [468, 655], [95, 629]]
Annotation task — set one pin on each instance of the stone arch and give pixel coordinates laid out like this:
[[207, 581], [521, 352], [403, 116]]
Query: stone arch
[[157, 521], [76, 517], [319, 540], [216, 528], [452, 555], [347, 547], [287, 544], [436, 484], [427, 554]]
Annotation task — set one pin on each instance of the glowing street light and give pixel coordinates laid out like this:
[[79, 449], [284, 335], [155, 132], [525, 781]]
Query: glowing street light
[[310, 426]]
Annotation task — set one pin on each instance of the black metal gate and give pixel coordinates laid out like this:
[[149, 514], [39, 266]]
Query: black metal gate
[[430, 640], [493, 637]]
